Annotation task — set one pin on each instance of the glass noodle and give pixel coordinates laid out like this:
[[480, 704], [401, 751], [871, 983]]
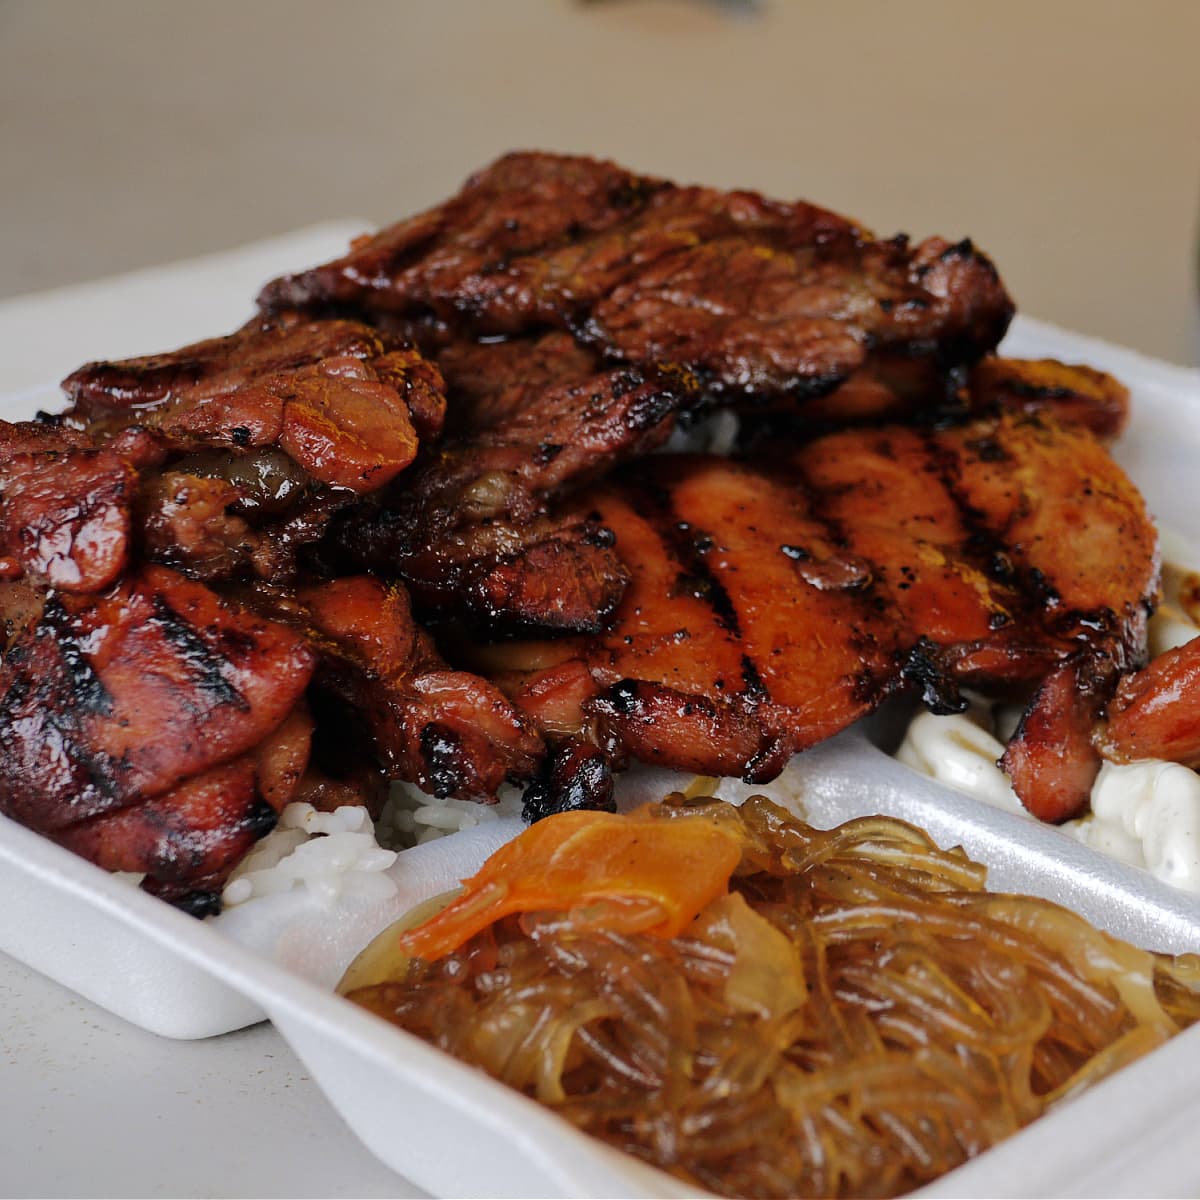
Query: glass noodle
[[854, 1017]]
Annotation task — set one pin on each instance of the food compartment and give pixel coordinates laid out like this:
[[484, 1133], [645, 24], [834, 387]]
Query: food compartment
[[280, 955]]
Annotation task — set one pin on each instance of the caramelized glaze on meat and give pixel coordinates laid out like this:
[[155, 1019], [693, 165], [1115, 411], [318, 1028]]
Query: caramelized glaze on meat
[[473, 528], [1074, 395], [109, 699], [754, 295], [450, 732], [773, 602], [266, 434], [192, 640]]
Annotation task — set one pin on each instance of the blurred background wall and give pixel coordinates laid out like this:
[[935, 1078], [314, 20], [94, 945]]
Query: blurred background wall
[[1063, 136]]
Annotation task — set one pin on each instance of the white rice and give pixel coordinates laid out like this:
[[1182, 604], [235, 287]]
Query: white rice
[[411, 816], [334, 855], [343, 854]]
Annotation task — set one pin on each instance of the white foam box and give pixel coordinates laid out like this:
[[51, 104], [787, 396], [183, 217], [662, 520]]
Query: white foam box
[[279, 957]]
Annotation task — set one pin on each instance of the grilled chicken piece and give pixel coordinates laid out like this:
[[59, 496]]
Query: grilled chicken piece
[[266, 433], [327, 393], [185, 841], [188, 839], [1011, 545], [920, 391], [65, 505], [1007, 542], [109, 699], [774, 602], [1074, 395], [731, 649], [756, 296], [142, 726], [449, 732], [472, 528], [1155, 712]]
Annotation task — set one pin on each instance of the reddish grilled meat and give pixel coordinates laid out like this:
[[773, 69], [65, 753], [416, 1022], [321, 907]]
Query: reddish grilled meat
[[1156, 711], [110, 699], [756, 296], [142, 726], [472, 530], [899, 390], [723, 657], [328, 393], [266, 434], [450, 732], [773, 603], [1074, 395]]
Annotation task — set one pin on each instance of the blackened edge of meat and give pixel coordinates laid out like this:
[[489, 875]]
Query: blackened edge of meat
[[577, 775], [924, 669]]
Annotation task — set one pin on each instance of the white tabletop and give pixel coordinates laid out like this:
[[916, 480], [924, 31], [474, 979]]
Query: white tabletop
[[1064, 138]]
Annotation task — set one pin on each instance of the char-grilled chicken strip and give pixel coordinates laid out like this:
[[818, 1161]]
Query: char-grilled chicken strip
[[745, 634], [109, 699], [773, 602], [918, 392], [755, 296], [473, 528], [1022, 554]]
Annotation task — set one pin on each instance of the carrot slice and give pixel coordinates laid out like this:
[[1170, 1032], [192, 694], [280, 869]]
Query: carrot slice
[[648, 875]]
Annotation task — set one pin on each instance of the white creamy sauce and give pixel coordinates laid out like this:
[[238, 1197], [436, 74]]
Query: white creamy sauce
[[1145, 813], [961, 753]]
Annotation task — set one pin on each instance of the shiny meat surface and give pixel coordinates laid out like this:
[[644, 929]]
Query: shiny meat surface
[[1074, 395], [723, 658], [332, 395], [754, 295], [893, 389], [152, 727], [66, 516], [263, 436], [217, 366], [773, 602], [1155, 712], [473, 528], [450, 732], [110, 699]]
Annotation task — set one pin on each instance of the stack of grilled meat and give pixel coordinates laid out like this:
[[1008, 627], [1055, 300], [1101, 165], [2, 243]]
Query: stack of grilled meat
[[408, 524]]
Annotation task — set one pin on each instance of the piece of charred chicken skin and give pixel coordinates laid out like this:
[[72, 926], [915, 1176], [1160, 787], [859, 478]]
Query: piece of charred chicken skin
[[774, 601], [754, 296]]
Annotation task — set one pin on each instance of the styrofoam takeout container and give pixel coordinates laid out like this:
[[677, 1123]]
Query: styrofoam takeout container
[[280, 956]]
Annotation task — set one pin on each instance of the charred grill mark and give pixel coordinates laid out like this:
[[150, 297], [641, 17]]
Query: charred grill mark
[[87, 692], [868, 594], [33, 708], [577, 775], [442, 752], [208, 666], [755, 690], [984, 547], [656, 504], [922, 667], [1029, 592], [199, 904]]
